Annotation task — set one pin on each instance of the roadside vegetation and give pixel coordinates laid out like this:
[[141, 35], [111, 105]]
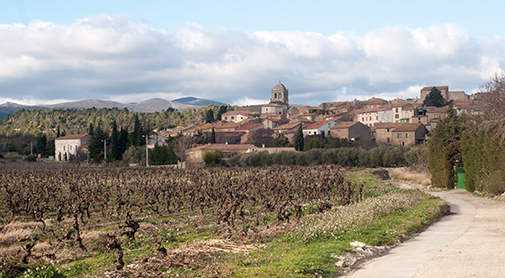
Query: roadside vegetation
[[239, 222], [474, 143]]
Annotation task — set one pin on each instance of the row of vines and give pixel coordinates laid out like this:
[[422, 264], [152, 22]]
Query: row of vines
[[71, 201]]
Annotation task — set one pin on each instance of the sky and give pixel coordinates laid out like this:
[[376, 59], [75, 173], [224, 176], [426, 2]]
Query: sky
[[236, 51]]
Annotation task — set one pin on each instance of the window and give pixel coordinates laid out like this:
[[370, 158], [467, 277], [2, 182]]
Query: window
[[406, 135], [388, 140], [387, 116], [191, 155], [396, 110], [399, 135], [63, 147], [382, 116], [196, 154], [69, 148], [362, 119], [397, 116], [377, 118]]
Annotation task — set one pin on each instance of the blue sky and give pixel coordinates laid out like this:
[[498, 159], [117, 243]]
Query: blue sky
[[236, 51]]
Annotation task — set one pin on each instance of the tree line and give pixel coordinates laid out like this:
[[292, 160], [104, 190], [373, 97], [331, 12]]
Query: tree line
[[33, 131], [472, 143]]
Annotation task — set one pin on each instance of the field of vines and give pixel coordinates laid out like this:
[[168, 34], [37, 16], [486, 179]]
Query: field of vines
[[85, 222]]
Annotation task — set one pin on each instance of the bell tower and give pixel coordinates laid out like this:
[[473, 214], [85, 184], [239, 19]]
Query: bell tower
[[280, 94]]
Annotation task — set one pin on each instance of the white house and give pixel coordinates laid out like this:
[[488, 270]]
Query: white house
[[319, 127], [68, 145]]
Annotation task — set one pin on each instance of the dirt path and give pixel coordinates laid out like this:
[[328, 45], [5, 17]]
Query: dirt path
[[468, 243]]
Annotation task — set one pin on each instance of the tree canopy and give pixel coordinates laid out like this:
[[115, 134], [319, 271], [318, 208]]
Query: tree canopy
[[434, 98]]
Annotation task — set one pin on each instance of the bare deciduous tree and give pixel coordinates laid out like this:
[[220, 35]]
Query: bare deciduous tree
[[184, 142], [492, 99]]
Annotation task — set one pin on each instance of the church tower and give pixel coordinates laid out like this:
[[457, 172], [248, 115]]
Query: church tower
[[280, 95]]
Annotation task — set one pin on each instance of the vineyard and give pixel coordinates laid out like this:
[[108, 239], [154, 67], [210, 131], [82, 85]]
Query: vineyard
[[150, 221]]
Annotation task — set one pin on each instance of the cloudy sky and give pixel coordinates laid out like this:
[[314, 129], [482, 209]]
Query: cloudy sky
[[236, 51]]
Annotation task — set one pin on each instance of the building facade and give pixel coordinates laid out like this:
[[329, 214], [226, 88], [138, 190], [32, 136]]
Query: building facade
[[67, 146]]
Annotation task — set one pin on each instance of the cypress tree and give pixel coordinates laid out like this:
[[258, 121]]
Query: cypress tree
[[444, 151], [123, 142], [299, 142], [213, 136], [95, 147], [136, 136], [114, 142]]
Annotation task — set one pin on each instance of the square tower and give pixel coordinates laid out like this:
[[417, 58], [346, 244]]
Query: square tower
[[280, 94]]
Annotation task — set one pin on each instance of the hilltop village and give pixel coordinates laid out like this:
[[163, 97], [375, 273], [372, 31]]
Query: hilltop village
[[369, 123]]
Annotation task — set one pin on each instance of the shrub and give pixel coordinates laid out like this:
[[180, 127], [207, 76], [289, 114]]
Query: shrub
[[212, 158], [30, 158]]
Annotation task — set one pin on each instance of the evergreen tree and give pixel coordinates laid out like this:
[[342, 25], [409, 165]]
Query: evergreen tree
[[162, 155], [96, 145], [222, 110], [114, 142], [58, 134], [444, 152], [209, 116], [50, 148], [299, 142], [281, 141], [122, 142], [90, 129], [136, 136], [434, 98], [41, 145], [213, 136]]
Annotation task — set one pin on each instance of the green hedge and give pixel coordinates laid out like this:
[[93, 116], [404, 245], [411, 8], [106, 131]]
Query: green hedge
[[383, 156]]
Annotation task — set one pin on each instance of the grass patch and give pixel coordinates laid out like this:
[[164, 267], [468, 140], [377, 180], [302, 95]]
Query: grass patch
[[406, 174]]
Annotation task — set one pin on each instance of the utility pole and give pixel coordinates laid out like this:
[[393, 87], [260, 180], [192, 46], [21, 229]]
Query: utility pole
[[104, 151], [147, 150]]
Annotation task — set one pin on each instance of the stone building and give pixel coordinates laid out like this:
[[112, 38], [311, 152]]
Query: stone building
[[280, 95], [351, 131], [446, 94], [68, 145]]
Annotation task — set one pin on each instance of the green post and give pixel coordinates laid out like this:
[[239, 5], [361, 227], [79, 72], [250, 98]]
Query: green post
[[460, 171]]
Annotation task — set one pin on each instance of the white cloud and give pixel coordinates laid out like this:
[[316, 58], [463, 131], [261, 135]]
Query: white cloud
[[248, 101], [109, 57]]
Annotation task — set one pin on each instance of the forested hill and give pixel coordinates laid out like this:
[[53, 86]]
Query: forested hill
[[72, 121]]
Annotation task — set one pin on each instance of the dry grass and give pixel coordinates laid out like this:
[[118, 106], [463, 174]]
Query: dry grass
[[410, 175], [214, 245], [10, 251], [13, 235]]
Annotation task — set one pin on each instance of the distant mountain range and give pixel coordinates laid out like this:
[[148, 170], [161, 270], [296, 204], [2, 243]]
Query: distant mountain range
[[149, 106]]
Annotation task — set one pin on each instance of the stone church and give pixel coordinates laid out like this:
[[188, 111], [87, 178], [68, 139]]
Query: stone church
[[280, 95]]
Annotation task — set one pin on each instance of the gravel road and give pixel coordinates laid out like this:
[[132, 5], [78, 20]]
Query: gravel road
[[470, 242]]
